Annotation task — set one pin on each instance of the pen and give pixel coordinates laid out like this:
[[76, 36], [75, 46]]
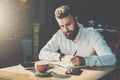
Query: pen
[[75, 53]]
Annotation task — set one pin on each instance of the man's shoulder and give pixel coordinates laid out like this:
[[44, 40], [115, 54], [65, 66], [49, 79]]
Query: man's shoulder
[[91, 31], [88, 29]]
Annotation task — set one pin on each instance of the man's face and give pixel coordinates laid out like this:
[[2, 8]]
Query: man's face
[[69, 26]]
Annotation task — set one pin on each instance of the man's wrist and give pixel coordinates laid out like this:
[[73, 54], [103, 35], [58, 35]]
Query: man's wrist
[[61, 56], [82, 61]]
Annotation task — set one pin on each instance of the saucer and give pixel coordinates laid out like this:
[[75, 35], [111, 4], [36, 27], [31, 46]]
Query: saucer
[[43, 74]]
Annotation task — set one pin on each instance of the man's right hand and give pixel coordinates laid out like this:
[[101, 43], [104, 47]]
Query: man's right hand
[[66, 58], [74, 60]]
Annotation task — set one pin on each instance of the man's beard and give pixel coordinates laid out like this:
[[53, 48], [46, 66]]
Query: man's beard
[[72, 34]]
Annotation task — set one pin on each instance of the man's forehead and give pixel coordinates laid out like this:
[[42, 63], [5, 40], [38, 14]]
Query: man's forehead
[[64, 20]]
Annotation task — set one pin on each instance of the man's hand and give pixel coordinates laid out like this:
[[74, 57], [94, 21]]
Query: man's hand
[[77, 61], [66, 58], [74, 60]]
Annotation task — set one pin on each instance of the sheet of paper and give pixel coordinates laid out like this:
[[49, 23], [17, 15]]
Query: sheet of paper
[[62, 64]]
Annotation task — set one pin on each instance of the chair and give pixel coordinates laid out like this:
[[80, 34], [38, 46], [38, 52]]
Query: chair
[[117, 71], [113, 40]]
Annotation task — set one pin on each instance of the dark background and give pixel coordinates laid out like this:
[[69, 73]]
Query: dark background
[[105, 12]]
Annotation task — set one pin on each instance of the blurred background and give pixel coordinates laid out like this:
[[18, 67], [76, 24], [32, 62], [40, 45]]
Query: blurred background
[[26, 25]]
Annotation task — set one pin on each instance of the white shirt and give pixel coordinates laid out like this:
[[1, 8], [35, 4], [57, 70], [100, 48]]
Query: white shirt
[[88, 44]]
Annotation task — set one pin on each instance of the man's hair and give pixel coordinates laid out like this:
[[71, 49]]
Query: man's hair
[[63, 11]]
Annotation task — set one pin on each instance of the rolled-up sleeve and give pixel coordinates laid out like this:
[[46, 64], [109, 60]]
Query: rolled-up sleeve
[[104, 56]]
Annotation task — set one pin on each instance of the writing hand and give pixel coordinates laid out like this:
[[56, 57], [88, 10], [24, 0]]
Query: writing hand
[[77, 61], [66, 58]]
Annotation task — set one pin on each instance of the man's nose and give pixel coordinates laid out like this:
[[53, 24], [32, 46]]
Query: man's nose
[[66, 28]]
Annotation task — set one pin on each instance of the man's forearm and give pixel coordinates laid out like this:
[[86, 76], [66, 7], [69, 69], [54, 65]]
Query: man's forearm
[[103, 60], [48, 55]]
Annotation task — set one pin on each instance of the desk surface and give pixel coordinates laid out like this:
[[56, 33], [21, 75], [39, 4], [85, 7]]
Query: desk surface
[[19, 73]]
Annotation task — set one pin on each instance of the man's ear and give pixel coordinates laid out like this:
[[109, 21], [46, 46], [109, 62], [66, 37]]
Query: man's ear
[[76, 18]]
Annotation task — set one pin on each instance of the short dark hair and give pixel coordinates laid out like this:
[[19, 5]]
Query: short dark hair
[[63, 11]]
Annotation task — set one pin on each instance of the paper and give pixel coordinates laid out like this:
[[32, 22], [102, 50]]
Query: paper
[[62, 64]]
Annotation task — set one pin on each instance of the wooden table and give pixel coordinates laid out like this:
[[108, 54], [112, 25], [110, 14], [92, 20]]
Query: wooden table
[[19, 73]]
